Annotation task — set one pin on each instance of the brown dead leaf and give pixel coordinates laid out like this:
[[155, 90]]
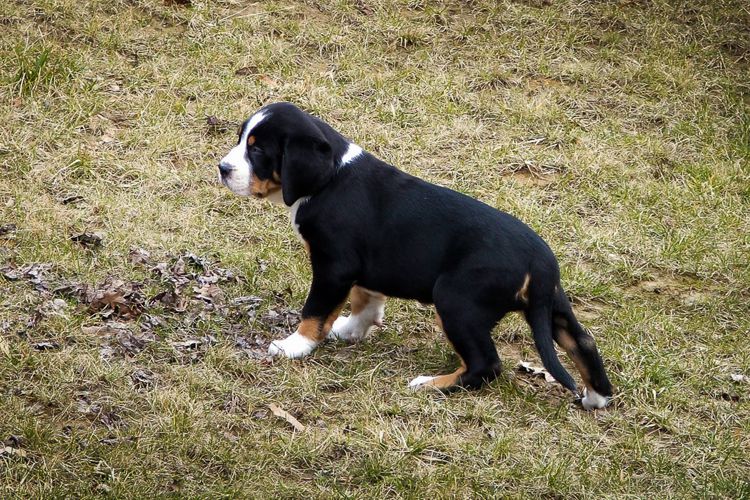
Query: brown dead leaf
[[7, 230], [115, 296], [142, 377], [88, 240], [217, 125], [46, 346], [36, 274], [208, 292], [138, 256], [268, 81], [111, 328], [363, 8], [12, 452], [53, 307], [11, 273], [287, 416], [536, 371], [71, 199], [246, 71], [187, 344]]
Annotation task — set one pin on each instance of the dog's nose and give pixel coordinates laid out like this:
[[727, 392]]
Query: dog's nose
[[224, 169]]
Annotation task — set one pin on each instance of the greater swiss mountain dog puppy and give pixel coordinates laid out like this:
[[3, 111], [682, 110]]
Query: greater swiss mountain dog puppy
[[373, 231]]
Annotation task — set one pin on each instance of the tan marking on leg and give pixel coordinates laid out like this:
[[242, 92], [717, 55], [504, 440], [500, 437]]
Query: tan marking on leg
[[331, 318], [571, 347], [449, 380], [263, 188], [361, 297], [311, 328], [523, 293], [358, 299]]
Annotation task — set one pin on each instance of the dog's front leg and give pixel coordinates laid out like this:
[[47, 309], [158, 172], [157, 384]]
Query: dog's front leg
[[324, 302]]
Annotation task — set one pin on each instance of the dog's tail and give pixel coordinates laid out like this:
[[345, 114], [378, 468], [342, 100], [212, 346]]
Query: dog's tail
[[539, 317]]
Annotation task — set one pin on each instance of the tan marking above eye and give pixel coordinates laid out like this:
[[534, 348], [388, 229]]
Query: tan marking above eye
[[251, 140]]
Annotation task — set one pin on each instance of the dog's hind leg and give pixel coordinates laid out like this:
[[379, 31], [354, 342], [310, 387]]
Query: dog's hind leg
[[581, 348], [467, 322]]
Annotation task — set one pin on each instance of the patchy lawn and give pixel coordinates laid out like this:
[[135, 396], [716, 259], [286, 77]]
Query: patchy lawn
[[138, 297]]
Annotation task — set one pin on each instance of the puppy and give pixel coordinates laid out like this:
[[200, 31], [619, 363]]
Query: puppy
[[373, 231]]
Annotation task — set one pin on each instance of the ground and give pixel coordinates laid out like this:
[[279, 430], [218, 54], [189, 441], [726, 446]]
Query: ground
[[138, 297]]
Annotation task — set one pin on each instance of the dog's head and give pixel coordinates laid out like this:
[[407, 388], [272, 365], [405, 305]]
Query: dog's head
[[282, 154]]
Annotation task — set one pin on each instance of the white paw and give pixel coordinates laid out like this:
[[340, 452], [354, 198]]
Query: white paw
[[294, 346], [593, 400], [349, 329], [420, 381]]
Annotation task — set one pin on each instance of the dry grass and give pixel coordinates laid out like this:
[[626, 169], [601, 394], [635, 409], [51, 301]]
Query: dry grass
[[620, 131]]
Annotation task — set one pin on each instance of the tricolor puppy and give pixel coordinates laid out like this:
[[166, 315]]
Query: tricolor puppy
[[373, 231]]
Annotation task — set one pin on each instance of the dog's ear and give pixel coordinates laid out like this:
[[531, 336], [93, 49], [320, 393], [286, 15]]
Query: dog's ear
[[307, 166]]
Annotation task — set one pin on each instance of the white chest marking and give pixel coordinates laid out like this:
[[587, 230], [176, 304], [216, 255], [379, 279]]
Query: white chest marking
[[293, 216]]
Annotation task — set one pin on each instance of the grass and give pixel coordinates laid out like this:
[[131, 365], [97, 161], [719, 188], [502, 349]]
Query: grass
[[619, 131]]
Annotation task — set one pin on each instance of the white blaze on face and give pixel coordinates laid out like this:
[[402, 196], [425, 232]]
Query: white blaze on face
[[240, 178]]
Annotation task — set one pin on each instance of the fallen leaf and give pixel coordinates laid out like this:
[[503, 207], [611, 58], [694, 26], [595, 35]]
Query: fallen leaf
[[209, 293], [45, 346], [247, 70], [536, 371], [37, 274], [142, 377], [217, 125], [15, 441], [738, 377], [110, 328], [7, 230], [286, 416], [231, 437], [69, 200], [89, 240], [267, 80], [187, 344], [138, 256], [11, 273], [727, 396], [363, 8], [9, 451], [54, 307], [115, 296]]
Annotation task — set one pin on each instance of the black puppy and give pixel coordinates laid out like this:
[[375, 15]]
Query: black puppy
[[373, 231]]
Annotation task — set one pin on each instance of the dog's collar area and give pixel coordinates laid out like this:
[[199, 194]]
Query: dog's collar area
[[352, 152]]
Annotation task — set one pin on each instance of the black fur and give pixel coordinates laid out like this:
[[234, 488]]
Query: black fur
[[370, 224]]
